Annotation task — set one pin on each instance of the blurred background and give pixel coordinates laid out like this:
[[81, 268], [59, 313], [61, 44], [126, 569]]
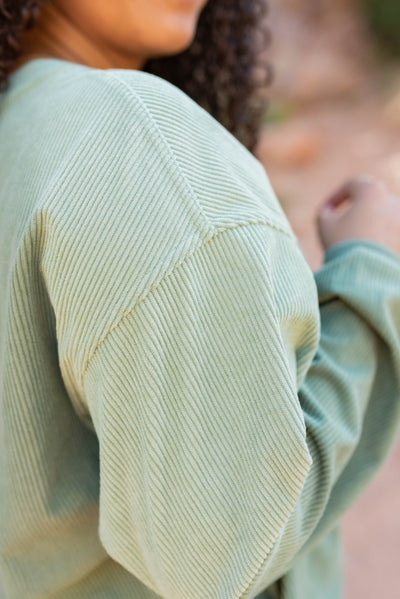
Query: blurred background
[[335, 113]]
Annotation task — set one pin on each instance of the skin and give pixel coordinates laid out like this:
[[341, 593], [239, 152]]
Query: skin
[[107, 34], [112, 34], [364, 208]]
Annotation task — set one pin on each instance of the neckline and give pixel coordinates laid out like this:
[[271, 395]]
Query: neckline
[[30, 69], [40, 66], [38, 59]]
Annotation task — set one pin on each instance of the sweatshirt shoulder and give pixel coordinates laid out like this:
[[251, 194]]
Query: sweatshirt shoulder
[[101, 125], [229, 183]]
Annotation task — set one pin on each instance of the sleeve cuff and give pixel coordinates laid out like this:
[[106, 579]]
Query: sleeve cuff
[[365, 271], [367, 248]]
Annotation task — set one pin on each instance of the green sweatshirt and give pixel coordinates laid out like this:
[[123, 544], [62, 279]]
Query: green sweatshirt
[[186, 411]]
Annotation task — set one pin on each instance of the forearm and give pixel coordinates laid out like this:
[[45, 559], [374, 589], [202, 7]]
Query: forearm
[[350, 397], [364, 424]]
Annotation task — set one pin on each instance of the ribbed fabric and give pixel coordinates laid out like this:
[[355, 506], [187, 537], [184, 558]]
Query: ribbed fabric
[[177, 420]]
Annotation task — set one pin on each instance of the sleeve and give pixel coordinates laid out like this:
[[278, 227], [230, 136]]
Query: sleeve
[[216, 472], [350, 397], [201, 436]]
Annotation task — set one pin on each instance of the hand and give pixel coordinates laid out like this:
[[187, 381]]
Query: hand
[[363, 208]]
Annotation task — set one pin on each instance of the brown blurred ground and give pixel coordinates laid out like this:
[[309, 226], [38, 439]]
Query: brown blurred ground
[[337, 114]]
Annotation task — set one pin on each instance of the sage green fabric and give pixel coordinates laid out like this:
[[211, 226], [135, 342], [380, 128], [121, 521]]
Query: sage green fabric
[[177, 420]]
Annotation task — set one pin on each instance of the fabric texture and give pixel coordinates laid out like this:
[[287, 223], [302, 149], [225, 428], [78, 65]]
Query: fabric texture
[[186, 410]]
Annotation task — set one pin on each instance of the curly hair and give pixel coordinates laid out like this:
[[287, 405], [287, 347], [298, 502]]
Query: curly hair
[[224, 69]]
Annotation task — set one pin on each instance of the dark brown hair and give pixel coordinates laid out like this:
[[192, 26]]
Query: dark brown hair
[[223, 70]]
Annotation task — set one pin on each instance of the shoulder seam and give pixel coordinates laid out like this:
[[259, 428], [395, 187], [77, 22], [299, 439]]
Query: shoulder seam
[[212, 235], [130, 91], [269, 221], [165, 142]]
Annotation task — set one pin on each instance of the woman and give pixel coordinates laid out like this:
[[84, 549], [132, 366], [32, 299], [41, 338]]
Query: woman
[[180, 419]]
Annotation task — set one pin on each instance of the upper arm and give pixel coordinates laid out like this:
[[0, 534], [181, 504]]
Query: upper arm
[[201, 435]]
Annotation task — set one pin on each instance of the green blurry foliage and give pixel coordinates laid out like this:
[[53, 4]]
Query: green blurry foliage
[[277, 113], [384, 19]]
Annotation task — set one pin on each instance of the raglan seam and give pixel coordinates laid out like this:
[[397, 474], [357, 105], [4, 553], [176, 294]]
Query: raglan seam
[[167, 146], [170, 150]]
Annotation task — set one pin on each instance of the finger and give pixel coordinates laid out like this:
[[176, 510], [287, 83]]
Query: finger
[[365, 185], [358, 187], [341, 195]]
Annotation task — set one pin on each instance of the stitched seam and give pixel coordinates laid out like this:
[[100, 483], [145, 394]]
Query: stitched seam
[[167, 146], [214, 234]]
